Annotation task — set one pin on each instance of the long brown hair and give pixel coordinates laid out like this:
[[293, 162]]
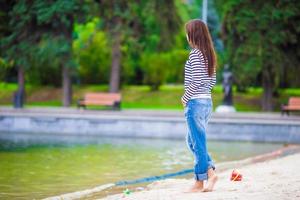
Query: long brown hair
[[199, 37]]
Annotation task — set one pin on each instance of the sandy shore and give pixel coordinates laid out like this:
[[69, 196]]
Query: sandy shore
[[271, 180]]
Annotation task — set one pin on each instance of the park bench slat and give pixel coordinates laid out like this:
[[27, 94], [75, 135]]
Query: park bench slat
[[293, 105], [107, 96], [101, 99], [98, 102], [294, 101]]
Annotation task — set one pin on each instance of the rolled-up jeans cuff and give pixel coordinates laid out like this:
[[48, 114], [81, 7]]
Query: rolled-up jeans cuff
[[201, 177], [211, 165]]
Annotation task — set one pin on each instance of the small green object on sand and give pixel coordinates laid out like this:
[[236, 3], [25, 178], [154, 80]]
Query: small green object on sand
[[127, 191]]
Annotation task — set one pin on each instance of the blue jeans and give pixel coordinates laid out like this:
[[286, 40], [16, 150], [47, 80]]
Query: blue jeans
[[197, 113]]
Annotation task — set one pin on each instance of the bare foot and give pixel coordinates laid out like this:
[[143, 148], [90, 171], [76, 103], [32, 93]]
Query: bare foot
[[212, 179], [197, 187]]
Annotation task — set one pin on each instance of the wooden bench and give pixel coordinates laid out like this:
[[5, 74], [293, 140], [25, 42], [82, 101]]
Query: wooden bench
[[293, 105], [100, 99]]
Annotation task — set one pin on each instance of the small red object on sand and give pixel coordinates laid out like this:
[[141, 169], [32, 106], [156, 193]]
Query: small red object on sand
[[236, 175]]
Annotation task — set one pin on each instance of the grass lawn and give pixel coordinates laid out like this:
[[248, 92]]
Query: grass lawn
[[141, 97]]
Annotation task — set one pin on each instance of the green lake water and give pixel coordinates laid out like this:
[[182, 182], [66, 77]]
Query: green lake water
[[34, 166]]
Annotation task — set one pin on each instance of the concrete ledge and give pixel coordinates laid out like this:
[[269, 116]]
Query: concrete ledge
[[265, 127]]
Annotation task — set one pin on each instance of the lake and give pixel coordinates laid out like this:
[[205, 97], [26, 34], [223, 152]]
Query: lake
[[35, 166]]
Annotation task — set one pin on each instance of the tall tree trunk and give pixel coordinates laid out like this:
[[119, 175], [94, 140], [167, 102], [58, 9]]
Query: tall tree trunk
[[67, 86], [268, 86], [19, 96], [114, 82], [21, 79]]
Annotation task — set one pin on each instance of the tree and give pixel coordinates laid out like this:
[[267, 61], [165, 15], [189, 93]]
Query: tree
[[18, 37], [124, 20], [5, 6], [56, 23], [258, 37], [39, 29], [115, 15]]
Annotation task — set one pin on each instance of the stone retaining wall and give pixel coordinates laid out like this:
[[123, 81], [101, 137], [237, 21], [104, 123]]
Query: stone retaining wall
[[149, 127]]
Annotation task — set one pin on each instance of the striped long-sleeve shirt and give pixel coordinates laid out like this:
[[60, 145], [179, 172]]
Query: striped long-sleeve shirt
[[197, 82]]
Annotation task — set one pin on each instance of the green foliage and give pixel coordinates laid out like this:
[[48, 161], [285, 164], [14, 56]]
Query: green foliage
[[177, 59], [4, 68], [146, 26], [92, 52], [260, 37], [40, 37], [168, 21], [19, 39], [45, 65], [159, 68], [155, 67], [58, 18], [131, 71]]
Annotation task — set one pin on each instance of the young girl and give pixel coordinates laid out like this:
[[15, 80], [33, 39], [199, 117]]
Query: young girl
[[199, 79]]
